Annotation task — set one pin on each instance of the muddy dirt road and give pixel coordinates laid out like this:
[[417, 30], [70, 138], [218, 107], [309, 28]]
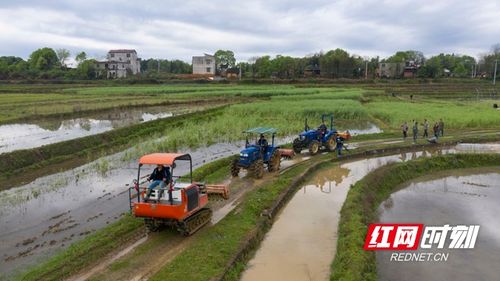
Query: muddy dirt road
[[458, 198]]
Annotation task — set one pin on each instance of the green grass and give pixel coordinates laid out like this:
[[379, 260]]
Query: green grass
[[455, 114], [351, 262]]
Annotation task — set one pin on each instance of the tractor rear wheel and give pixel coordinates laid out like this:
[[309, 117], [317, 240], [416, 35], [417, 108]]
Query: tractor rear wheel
[[297, 146], [314, 147], [257, 169], [235, 168], [330, 144], [274, 162]]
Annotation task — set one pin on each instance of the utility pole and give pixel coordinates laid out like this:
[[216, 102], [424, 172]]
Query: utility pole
[[366, 70], [495, 73], [239, 75], [158, 65]]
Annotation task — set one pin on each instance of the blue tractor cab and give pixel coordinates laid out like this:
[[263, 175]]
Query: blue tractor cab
[[255, 156], [316, 139]]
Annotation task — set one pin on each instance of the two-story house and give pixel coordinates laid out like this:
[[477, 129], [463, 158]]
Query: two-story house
[[204, 64], [120, 63]]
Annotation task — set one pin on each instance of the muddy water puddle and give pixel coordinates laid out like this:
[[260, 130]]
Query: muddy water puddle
[[47, 131], [302, 241], [458, 198]]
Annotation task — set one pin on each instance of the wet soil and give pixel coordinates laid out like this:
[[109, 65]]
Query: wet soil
[[467, 197]]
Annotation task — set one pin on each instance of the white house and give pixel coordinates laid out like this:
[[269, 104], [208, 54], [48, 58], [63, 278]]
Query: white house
[[119, 63], [204, 64]]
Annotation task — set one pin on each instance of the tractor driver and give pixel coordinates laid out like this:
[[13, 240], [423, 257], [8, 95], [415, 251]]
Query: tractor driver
[[159, 177], [262, 142], [322, 128]]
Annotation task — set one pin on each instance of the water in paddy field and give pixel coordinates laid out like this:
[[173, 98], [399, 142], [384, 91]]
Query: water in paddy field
[[302, 241], [42, 132], [54, 211], [456, 199]]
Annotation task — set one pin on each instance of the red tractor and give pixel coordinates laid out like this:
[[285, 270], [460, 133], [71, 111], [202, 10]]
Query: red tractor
[[181, 204]]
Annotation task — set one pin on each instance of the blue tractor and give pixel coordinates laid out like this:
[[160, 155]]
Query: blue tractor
[[316, 139], [254, 157]]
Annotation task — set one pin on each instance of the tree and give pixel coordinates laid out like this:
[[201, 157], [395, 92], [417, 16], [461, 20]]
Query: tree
[[43, 59], [224, 59], [62, 55], [82, 56], [404, 56], [87, 69]]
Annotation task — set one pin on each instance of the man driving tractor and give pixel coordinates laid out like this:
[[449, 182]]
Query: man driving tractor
[[160, 177], [262, 142]]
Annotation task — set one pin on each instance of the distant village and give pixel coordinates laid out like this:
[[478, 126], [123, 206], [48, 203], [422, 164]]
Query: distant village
[[121, 63], [49, 64]]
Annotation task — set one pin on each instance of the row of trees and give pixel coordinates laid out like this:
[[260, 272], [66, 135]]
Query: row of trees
[[46, 63]]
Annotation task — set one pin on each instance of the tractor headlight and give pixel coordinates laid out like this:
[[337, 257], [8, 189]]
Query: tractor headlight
[[244, 154]]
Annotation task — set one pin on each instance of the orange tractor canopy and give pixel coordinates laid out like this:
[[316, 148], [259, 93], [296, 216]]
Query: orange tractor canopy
[[180, 204]]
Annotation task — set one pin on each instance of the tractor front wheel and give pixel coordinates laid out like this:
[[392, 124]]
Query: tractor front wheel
[[257, 169], [314, 147], [330, 144], [235, 168], [274, 162], [297, 146]]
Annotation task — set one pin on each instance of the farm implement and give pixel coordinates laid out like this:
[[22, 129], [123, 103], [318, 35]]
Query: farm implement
[[181, 204]]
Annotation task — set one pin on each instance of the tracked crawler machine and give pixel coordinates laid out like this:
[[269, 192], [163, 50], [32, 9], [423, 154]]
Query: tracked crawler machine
[[182, 204]]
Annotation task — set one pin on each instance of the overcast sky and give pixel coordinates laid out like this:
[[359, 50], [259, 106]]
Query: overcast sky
[[180, 29]]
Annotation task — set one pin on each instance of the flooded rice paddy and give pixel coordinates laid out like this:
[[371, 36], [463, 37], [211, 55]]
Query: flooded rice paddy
[[47, 131], [457, 198]]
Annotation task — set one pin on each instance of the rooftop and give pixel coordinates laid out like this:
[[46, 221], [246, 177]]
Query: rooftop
[[122, 51]]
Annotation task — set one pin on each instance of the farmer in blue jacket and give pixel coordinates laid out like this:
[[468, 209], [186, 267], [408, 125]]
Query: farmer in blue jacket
[[159, 177]]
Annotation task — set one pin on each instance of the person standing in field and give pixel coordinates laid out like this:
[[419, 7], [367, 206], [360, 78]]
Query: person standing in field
[[415, 131], [441, 127], [426, 128], [435, 129], [404, 127]]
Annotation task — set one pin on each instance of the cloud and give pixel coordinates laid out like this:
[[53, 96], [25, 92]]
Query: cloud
[[180, 29]]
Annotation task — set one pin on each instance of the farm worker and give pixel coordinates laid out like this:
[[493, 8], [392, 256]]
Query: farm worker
[[404, 127], [262, 142], [415, 131], [322, 128], [426, 128], [339, 144], [159, 177], [441, 127], [435, 129]]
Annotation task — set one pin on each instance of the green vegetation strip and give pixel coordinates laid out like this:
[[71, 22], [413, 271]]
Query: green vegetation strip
[[360, 208], [89, 148], [94, 247]]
